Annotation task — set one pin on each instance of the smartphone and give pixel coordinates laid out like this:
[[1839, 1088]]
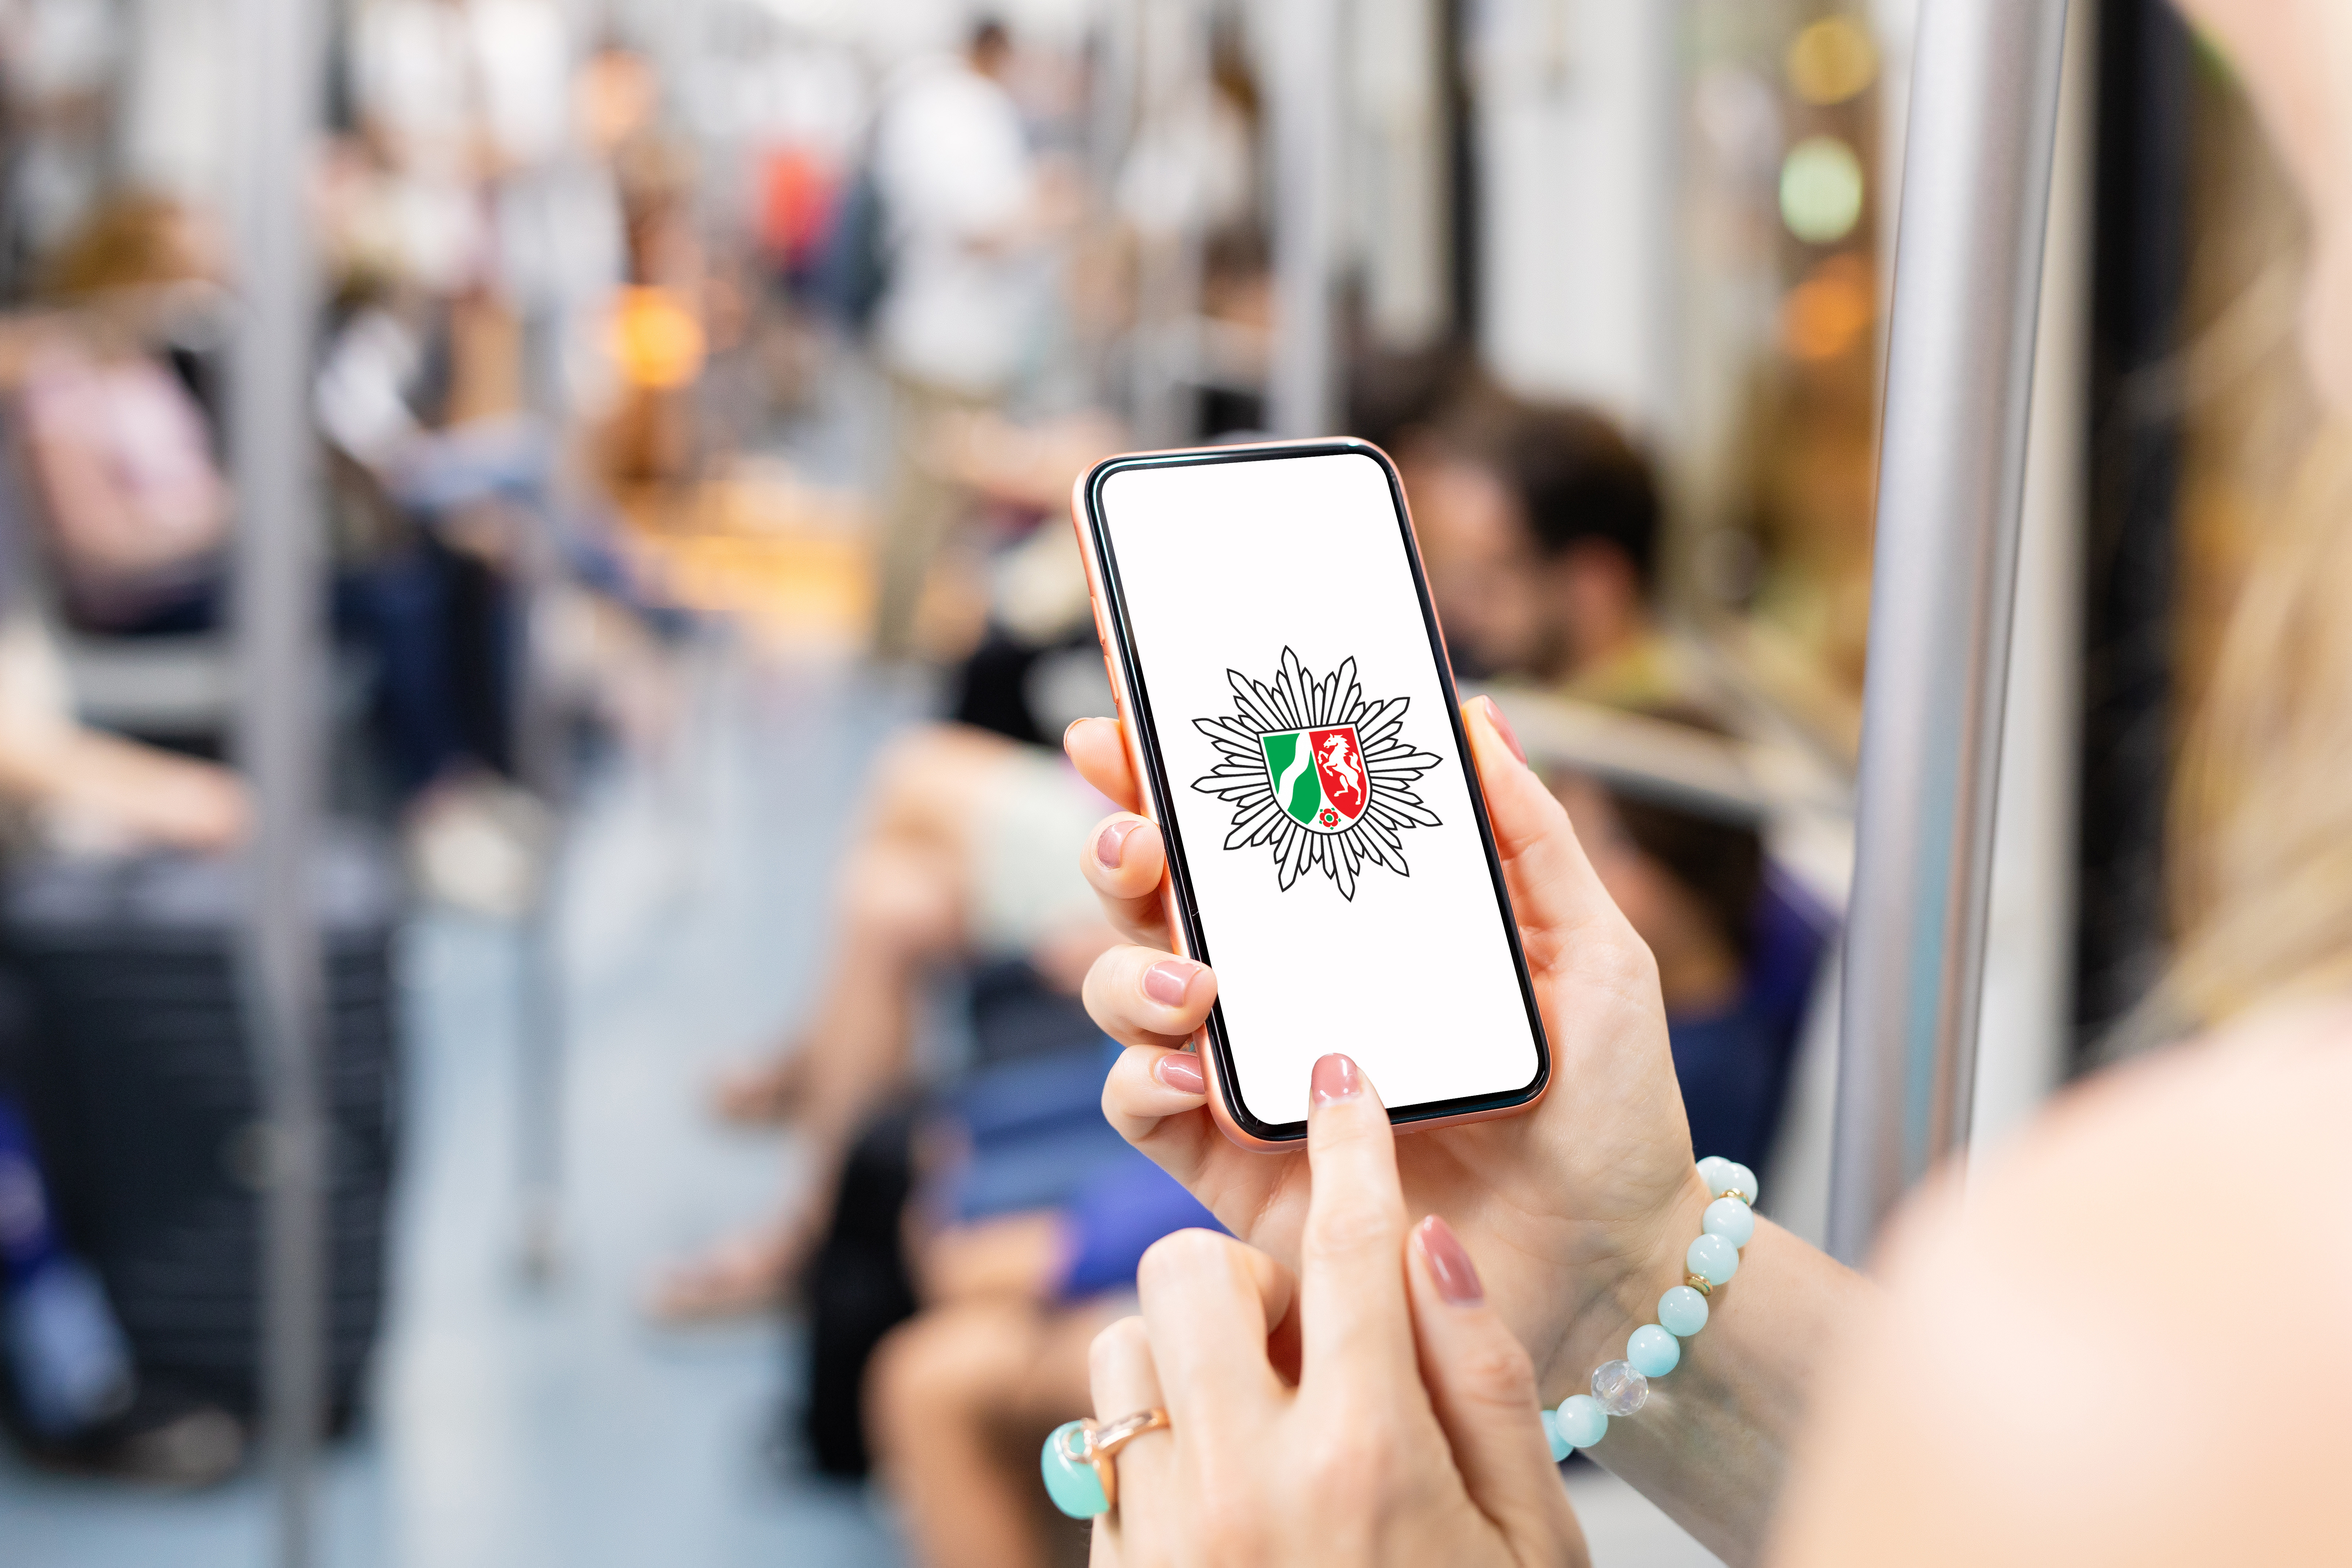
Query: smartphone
[[1290, 708]]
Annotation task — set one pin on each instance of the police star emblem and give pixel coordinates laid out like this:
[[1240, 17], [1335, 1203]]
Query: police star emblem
[[1317, 772]]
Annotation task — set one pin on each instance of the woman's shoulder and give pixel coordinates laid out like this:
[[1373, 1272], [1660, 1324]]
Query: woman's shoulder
[[2117, 1341], [2229, 1145], [2245, 1108]]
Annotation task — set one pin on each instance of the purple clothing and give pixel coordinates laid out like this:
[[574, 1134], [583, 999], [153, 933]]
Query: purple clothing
[[1039, 1141], [1125, 1205]]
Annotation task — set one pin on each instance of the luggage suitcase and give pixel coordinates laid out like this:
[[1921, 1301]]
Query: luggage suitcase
[[145, 1100]]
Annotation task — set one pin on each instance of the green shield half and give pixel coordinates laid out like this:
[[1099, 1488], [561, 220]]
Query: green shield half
[[1290, 766]]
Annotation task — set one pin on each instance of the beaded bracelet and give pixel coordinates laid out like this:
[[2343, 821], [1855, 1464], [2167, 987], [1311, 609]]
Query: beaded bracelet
[[1654, 1350]]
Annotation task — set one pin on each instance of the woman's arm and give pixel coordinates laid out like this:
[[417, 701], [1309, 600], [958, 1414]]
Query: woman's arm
[[1578, 1213], [1711, 1447]]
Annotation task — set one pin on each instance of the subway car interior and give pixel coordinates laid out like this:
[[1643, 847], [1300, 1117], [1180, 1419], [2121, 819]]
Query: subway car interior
[[585, 737]]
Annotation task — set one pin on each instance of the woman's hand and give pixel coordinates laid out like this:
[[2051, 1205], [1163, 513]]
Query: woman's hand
[[1404, 1427], [1579, 1209]]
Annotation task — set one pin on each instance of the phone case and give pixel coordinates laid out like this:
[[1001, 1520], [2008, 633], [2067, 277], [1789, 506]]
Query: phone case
[[1221, 1092]]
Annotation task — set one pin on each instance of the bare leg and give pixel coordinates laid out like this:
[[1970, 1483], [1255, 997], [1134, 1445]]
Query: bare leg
[[958, 1401], [901, 915], [913, 860], [906, 900], [902, 901], [894, 922]]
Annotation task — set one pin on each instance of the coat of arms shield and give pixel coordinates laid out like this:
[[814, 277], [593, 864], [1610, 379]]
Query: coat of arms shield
[[1318, 771]]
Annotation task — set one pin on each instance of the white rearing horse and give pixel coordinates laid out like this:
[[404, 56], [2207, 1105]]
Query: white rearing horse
[[1341, 758]]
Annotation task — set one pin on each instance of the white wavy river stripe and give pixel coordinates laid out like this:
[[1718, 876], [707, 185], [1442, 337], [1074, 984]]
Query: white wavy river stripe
[[1304, 759]]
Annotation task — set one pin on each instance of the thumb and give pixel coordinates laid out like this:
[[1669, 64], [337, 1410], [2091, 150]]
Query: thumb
[[1554, 893], [1483, 1387]]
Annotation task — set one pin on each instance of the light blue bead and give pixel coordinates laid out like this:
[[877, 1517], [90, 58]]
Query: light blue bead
[[1682, 1310], [1653, 1350], [1074, 1488], [1581, 1420], [1745, 1180], [1722, 1175], [1729, 1218], [1559, 1445], [1712, 1259]]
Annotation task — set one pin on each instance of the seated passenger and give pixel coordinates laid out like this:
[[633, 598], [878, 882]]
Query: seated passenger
[[959, 1398], [462, 524], [963, 856], [1540, 528], [134, 527], [1737, 949], [89, 790], [1048, 1213]]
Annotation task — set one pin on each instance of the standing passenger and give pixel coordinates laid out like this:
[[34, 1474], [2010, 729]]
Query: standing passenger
[[952, 167]]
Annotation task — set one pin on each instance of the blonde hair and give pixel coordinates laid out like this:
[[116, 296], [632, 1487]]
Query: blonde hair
[[2260, 824]]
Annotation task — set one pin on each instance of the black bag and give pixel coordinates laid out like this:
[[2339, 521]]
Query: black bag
[[858, 1284], [854, 272], [859, 1288], [146, 1103]]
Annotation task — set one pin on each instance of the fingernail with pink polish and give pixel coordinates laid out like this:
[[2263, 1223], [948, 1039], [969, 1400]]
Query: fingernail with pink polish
[[1503, 727], [1336, 1077], [1181, 1072], [1449, 1264], [1166, 981], [1110, 844]]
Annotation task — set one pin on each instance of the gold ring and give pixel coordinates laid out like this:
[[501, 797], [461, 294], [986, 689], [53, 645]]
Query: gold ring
[[1103, 1444]]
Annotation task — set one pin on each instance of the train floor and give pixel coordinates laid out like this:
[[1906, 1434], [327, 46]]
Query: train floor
[[515, 1425]]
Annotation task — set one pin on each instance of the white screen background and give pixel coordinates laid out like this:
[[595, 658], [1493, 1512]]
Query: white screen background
[[1223, 566]]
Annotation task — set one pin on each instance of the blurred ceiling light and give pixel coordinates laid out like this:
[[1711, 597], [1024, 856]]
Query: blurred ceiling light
[[1831, 61], [1821, 190], [1830, 312]]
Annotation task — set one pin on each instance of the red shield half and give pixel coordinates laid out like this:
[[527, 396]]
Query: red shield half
[[1347, 788]]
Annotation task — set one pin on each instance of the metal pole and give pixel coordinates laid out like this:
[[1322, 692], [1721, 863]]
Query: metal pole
[[1111, 111], [1173, 84], [1976, 187], [280, 650], [539, 990], [1302, 394]]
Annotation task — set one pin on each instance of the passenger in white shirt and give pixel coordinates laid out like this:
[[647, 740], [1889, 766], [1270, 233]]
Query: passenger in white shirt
[[957, 192]]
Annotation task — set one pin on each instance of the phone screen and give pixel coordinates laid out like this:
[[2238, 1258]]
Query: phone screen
[[1330, 848]]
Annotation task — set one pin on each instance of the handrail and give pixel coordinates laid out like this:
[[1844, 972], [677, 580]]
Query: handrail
[[1976, 187], [1724, 778]]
